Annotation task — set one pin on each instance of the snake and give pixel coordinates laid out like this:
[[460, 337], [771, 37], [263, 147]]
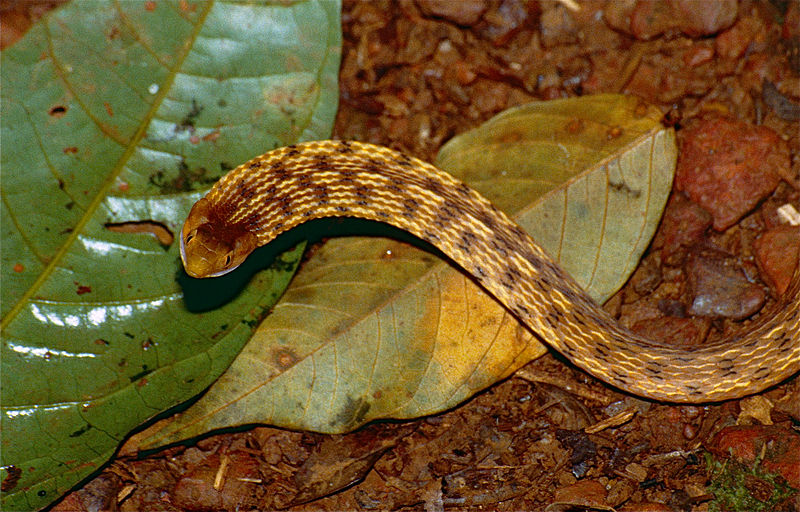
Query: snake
[[257, 201]]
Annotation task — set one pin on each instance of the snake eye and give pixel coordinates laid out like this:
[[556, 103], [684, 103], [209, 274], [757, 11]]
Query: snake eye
[[228, 259], [189, 237]]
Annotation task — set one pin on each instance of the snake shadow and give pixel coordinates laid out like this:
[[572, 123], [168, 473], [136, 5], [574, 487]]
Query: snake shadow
[[201, 295]]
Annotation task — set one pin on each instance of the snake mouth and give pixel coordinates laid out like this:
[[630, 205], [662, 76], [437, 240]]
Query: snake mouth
[[183, 248]]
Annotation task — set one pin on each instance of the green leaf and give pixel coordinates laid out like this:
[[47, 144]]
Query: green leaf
[[375, 328], [119, 112]]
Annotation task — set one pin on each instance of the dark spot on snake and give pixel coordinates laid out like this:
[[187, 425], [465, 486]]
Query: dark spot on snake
[[518, 231], [433, 185], [761, 372], [499, 248], [410, 204], [725, 364], [279, 170], [654, 366], [729, 373], [467, 238], [521, 311], [479, 270], [361, 202], [570, 294], [403, 160], [431, 236], [617, 376], [603, 322], [342, 209], [682, 359], [487, 219], [752, 343], [382, 214], [464, 189], [623, 346], [255, 165], [344, 147]]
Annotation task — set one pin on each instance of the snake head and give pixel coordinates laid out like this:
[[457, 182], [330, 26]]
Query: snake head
[[210, 246]]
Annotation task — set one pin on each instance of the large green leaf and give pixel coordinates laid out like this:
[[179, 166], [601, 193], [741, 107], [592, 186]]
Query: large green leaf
[[118, 112], [374, 328]]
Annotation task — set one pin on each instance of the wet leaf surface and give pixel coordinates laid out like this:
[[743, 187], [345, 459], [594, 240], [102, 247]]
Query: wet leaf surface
[[120, 114]]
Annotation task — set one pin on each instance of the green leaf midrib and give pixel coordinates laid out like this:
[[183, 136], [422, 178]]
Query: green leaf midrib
[[164, 89]]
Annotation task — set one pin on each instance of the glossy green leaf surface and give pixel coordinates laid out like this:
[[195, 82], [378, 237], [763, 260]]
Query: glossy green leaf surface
[[372, 328], [124, 112]]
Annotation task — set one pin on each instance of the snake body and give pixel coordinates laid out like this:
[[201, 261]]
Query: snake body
[[279, 190]]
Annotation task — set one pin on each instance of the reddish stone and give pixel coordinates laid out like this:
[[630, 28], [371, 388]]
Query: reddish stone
[[728, 166], [777, 252], [683, 225], [732, 43], [744, 443], [704, 18], [646, 19], [463, 12]]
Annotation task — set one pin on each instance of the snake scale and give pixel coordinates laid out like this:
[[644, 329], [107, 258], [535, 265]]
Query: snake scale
[[279, 190]]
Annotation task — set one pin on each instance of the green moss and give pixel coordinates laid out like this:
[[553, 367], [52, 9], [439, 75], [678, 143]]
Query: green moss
[[739, 488]]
